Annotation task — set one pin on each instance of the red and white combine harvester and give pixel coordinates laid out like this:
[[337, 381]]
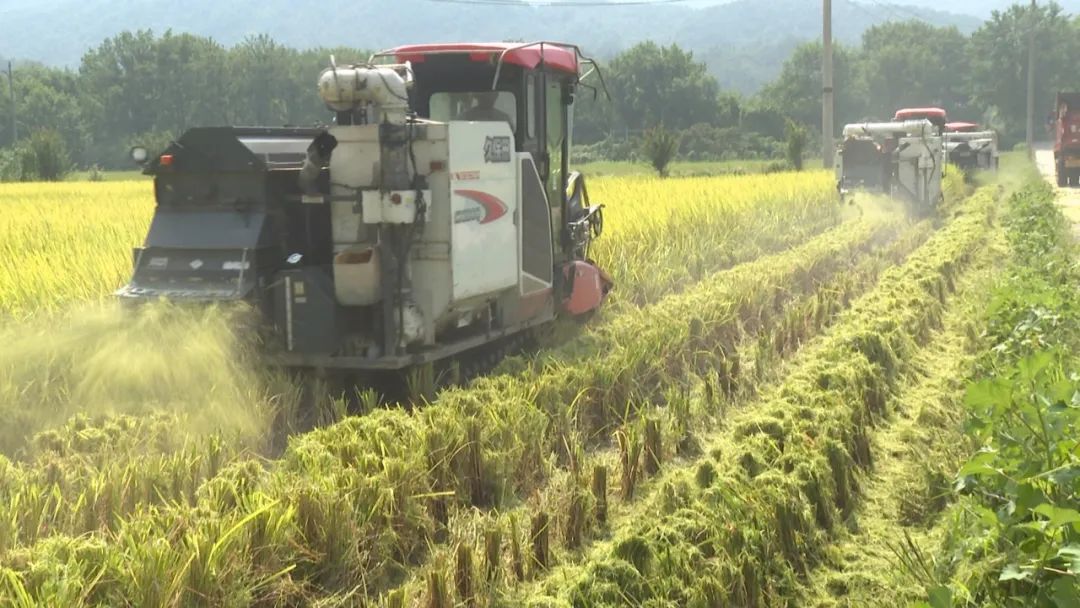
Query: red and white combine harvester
[[903, 158], [971, 148], [436, 216], [966, 146]]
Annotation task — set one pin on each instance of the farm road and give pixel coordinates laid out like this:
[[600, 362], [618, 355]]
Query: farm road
[[1068, 198]]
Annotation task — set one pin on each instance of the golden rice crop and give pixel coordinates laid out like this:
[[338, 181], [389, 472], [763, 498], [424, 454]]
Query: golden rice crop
[[67, 242], [71, 242], [663, 234]]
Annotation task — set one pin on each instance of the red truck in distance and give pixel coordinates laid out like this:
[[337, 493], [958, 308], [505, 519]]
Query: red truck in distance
[[1067, 139]]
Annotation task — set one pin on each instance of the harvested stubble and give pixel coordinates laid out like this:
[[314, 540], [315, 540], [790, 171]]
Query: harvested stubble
[[351, 505], [741, 526], [757, 360], [923, 444]]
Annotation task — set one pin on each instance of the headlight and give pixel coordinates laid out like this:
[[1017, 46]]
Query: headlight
[[139, 155]]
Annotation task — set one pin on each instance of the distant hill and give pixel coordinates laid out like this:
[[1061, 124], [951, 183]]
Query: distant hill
[[744, 41], [976, 8], [983, 8]]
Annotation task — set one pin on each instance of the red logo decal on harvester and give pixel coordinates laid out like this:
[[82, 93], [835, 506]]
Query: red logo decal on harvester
[[491, 208]]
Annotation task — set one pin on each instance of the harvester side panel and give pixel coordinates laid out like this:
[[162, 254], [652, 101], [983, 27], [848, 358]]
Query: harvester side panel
[[483, 195], [919, 171], [862, 165]]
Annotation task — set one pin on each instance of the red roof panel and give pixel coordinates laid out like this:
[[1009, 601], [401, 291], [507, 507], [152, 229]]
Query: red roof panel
[[928, 113], [959, 127], [553, 56]]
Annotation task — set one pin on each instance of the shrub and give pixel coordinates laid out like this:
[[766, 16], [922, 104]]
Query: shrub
[[10, 165], [660, 147], [795, 136], [44, 157]]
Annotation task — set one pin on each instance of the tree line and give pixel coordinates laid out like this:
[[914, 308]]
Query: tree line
[[979, 78], [139, 87]]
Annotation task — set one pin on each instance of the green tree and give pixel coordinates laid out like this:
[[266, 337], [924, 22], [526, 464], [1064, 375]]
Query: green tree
[[46, 98], [44, 157], [999, 59], [914, 64], [193, 83], [652, 84], [729, 110], [121, 91], [261, 97], [796, 93]]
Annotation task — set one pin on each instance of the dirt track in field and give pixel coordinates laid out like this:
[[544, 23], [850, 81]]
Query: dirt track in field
[[1068, 198]]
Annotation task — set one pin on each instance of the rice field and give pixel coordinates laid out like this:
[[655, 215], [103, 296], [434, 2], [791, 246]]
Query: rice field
[[67, 243], [706, 441]]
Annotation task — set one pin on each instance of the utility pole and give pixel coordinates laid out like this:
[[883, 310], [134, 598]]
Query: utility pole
[[14, 114], [827, 86], [1031, 81]]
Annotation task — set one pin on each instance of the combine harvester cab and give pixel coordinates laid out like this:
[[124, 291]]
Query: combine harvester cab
[[435, 216], [899, 159], [1067, 139], [970, 148]]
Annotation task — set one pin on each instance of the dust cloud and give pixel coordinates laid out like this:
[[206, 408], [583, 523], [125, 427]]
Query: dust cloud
[[864, 205], [199, 366]]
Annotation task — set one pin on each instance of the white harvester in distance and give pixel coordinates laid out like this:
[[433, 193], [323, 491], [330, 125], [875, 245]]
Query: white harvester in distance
[[971, 148], [903, 159]]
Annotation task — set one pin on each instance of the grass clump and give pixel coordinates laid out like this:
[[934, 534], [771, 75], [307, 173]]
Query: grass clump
[[1013, 533]]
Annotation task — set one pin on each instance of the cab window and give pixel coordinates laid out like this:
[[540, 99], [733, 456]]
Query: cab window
[[555, 120], [475, 105]]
